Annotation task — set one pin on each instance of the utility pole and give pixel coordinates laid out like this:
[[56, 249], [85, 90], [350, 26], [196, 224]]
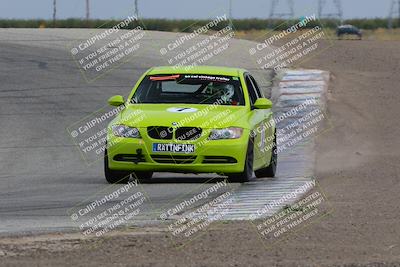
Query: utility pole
[[394, 12], [87, 13], [136, 11], [230, 9], [230, 14], [338, 14], [54, 12]]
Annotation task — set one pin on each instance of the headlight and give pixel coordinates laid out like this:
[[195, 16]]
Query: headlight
[[125, 131], [228, 133]]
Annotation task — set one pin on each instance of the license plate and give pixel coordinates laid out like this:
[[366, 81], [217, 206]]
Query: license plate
[[173, 148]]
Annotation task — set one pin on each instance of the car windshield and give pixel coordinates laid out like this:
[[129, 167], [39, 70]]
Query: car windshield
[[190, 89]]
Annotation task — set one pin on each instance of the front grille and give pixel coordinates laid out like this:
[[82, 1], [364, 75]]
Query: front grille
[[187, 133], [218, 160], [173, 159], [159, 132], [129, 158]]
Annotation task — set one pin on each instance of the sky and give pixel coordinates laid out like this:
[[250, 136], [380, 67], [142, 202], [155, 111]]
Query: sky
[[176, 9]]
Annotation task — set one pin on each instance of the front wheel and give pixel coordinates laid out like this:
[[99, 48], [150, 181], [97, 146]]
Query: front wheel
[[247, 173], [114, 177], [270, 170]]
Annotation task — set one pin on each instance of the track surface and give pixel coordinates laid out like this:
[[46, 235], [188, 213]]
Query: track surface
[[41, 93], [357, 166]]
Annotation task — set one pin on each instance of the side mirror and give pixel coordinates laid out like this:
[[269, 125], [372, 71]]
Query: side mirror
[[262, 103], [116, 100]]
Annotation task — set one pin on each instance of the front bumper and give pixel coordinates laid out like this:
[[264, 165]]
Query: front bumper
[[210, 156]]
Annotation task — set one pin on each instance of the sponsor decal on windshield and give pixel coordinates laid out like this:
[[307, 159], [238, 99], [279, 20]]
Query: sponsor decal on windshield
[[164, 78], [208, 77]]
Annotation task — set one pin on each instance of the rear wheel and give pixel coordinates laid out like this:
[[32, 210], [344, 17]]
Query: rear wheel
[[270, 170], [247, 173], [115, 177]]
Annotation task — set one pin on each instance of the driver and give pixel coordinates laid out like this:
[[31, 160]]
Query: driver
[[223, 91]]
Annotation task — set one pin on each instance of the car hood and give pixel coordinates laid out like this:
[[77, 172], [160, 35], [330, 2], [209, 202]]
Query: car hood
[[204, 116]]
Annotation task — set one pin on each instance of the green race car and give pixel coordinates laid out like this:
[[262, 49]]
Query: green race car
[[192, 120]]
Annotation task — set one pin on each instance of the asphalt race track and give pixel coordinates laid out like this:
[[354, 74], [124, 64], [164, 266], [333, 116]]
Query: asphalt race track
[[42, 92]]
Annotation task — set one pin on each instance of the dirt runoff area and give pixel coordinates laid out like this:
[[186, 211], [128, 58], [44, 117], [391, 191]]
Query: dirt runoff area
[[357, 167]]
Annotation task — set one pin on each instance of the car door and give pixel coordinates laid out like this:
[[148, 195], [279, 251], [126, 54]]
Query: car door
[[265, 130], [256, 119]]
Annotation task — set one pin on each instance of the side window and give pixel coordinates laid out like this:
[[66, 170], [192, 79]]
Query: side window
[[258, 91], [250, 88]]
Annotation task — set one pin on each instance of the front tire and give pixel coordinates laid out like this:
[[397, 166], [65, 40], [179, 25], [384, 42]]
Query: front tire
[[247, 173], [114, 177], [270, 170]]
